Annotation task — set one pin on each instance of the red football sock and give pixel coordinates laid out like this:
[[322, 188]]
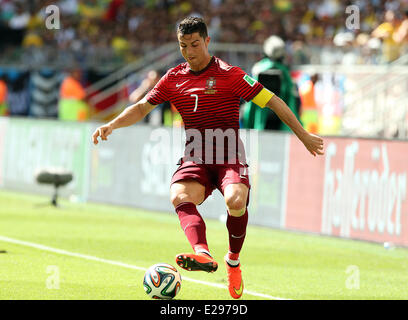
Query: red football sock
[[236, 232], [193, 225]]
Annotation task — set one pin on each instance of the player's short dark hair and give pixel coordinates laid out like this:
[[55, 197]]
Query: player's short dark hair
[[191, 25]]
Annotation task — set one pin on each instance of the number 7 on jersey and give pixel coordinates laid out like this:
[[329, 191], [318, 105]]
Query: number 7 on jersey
[[196, 101]]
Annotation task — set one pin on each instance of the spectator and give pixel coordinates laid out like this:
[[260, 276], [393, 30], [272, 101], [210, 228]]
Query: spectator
[[120, 44], [387, 31], [309, 109], [91, 9], [3, 97], [147, 84], [274, 74], [72, 94], [146, 24], [68, 7], [401, 35], [113, 9], [162, 114], [20, 19], [32, 39]]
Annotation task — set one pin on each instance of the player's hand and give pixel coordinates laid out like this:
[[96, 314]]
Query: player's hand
[[103, 132], [313, 143]]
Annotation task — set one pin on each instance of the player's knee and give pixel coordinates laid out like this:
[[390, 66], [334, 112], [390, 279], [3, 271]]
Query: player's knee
[[188, 191], [236, 196], [178, 198], [181, 197], [236, 205]]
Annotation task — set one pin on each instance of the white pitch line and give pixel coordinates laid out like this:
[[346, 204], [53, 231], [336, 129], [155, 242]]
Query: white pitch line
[[121, 264]]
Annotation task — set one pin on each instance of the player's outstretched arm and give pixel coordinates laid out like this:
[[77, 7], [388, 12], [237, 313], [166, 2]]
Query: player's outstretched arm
[[312, 142], [132, 114]]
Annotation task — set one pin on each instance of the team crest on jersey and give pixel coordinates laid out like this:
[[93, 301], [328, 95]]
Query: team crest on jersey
[[210, 87]]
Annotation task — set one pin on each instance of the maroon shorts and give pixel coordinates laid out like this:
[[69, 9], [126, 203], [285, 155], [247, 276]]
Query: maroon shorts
[[212, 176]]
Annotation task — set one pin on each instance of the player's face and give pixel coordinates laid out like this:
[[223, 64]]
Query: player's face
[[194, 49]]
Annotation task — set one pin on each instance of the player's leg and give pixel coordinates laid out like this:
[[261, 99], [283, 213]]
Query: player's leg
[[233, 182], [185, 196], [236, 199]]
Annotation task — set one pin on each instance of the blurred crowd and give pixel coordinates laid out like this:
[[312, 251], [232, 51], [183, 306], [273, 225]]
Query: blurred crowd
[[108, 31]]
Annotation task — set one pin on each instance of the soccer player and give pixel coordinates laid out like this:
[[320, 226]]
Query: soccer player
[[207, 91]]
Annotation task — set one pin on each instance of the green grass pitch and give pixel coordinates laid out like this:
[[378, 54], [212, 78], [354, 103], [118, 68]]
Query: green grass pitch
[[275, 263]]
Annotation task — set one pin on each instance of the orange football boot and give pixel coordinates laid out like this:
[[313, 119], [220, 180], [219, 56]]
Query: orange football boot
[[196, 262], [235, 282]]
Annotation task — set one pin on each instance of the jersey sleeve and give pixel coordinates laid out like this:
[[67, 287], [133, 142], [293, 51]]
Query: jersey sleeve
[[160, 93], [243, 85]]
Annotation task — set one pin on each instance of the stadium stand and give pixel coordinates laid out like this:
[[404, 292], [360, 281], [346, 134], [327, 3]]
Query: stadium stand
[[111, 41], [119, 31]]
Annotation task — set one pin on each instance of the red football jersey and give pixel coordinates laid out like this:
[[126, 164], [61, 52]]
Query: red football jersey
[[208, 99]]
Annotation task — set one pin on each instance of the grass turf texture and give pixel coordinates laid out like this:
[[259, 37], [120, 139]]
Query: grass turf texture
[[277, 263]]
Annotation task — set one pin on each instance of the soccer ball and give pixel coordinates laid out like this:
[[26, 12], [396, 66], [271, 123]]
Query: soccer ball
[[162, 281]]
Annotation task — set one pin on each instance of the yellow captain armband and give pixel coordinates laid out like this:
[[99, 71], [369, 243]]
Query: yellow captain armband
[[263, 97]]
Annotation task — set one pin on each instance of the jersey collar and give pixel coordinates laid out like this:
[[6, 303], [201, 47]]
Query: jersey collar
[[203, 70]]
